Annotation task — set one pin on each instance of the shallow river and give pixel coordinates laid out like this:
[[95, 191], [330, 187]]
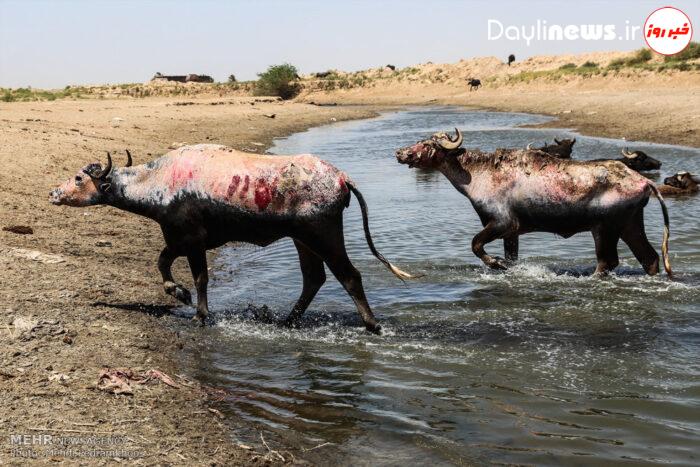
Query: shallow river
[[540, 364]]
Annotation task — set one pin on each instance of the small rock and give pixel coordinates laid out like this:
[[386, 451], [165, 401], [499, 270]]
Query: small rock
[[103, 243], [270, 115], [19, 229], [60, 377], [67, 339]]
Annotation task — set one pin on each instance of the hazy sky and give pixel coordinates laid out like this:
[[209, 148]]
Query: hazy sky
[[55, 43]]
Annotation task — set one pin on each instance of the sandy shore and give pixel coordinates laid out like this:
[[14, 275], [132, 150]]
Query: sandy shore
[[82, 293]]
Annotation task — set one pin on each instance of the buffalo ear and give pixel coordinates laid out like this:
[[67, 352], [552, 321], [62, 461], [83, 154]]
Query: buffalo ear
[[105, 187]]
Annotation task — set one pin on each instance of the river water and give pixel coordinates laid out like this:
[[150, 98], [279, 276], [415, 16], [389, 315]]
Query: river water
[[541, 364]]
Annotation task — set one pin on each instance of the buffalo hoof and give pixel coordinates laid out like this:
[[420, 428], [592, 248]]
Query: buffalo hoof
[[199, 320], [291, 323], [374, 329], [494, 262], [179, 292]]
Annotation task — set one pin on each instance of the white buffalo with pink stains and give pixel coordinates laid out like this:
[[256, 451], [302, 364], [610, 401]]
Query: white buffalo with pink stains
[[520, 191], [207, 195]]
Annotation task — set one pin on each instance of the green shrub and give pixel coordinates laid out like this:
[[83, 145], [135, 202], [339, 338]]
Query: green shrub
[[617, 63], [589, 64], [690, 53], [642, 56], [278, 80], [567, 66]]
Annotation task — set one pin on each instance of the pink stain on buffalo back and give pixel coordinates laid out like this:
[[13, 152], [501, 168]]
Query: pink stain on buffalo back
[[233, 186], [246, 185], [263, 194]]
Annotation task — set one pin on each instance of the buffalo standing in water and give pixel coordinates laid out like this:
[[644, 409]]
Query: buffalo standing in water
[[680, 184], [515, 192], [561, 149], [207, 195], [639, 161]]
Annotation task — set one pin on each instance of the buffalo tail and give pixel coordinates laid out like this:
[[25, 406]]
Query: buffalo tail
[[664, 242], [365, 223]]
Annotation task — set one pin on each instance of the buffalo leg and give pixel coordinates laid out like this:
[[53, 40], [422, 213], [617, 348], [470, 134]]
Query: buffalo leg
[[491, 232], [510, 247], [331, 247], [314, 276], [606, 250], [165, 262], [198, 266], [636, 239]]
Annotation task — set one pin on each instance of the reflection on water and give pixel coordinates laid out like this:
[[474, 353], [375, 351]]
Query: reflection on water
[[539, 364]]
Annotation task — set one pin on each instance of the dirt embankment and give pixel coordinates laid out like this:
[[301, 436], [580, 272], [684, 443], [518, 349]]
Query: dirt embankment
[[636, 103], [82, 292]]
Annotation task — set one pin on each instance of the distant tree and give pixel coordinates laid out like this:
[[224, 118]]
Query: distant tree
[[278, 80], [231, 78], [511, 59]]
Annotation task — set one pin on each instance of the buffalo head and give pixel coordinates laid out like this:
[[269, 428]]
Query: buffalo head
[[639, 161], [683, 180], [430, 152], [89, 186]]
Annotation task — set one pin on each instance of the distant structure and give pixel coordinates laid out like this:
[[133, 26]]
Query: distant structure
[[191, 78], [511, 59]]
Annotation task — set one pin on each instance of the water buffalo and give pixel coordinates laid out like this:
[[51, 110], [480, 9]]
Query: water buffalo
[[474, 84], [561, 149], [639, 161], [682, 183], [517, 191], [206, 195], [511, 59]]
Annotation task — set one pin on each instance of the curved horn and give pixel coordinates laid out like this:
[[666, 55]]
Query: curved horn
[[529, 146], [695, 178], [627, 153], [128, 159], [557, 141], [452, 143], [103, 173]]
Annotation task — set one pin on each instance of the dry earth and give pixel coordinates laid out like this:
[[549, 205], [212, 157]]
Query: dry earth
[[82, 293]]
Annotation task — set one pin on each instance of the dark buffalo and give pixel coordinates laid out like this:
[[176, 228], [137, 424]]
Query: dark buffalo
[[560, 149], [474, 84], [682, 183], [515, 192], [639, 161], [511, 59], [207, 195]]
